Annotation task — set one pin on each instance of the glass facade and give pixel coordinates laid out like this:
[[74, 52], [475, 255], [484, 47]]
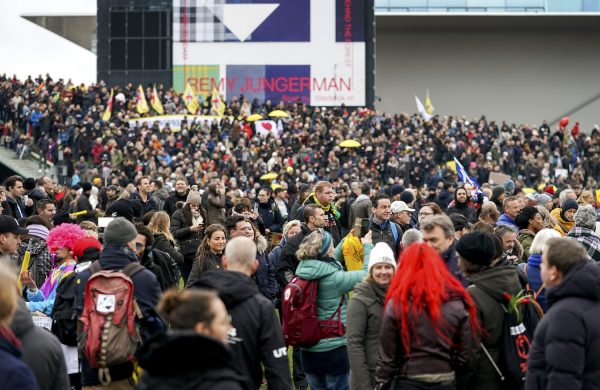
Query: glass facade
[[491, 6]]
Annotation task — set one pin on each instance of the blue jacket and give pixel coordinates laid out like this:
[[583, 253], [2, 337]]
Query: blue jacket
[[14, 374], [38, 302], [506, 220], [534, 276], [265, 276]]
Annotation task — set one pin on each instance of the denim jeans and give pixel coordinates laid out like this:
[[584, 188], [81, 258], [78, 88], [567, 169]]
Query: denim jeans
[[327, 382]]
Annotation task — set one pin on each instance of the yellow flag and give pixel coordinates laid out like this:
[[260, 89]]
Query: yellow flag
[[191, 102], [109, 108], [24, 268], [218, 106], [155, 102], [140, 101], [428, 106], [452, 165]]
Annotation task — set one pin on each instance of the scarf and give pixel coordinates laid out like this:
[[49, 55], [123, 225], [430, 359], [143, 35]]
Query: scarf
[[380, 290], [7, 334], [352, 250], [55, 276], [326, 208]]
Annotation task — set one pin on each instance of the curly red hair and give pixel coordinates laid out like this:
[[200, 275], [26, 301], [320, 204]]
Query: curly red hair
[[64, 235], [422, 284]]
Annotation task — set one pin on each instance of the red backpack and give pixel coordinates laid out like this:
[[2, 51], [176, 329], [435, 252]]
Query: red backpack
[[110, 335], [301, 326]]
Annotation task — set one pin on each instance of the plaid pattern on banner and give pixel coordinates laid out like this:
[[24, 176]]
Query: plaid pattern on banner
[[198, 21], [196, 75]]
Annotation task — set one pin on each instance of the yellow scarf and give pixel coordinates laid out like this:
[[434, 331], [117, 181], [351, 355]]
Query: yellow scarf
[[352, 249]]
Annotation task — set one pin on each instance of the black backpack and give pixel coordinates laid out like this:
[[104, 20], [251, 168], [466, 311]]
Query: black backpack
[[64, 313], [168, 268], [515, 342]]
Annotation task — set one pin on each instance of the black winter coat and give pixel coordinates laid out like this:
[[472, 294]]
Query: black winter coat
[[171, 202], [185, 360], [210, 262], [288, 262], [162, 243], [181, 222], [566, 345], [256, 339]]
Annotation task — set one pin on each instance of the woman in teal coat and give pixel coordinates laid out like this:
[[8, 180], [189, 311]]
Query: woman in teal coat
[[326, 363]]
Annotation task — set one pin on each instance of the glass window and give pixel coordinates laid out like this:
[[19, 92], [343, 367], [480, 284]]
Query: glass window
[[117, 24], [151, 24], [134, 54], [135, 24], [117, 54], [152, 54]]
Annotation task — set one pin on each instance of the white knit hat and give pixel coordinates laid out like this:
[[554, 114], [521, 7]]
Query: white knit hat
[[381, 253]]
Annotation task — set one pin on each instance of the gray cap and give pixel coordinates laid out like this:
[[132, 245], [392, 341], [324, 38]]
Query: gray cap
[[119, 231]]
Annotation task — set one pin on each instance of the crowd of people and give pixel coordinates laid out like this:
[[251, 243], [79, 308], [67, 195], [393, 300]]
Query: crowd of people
[[422, 277], [64, 124], [414, 290]]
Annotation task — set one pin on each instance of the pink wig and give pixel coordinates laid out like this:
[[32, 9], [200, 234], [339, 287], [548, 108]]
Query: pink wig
[[64, 235]]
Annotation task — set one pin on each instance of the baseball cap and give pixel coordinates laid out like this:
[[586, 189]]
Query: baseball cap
[[9, 225], [398, 206]]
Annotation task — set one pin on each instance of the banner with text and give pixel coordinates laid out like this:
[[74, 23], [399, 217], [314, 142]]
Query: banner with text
[[308, 50]]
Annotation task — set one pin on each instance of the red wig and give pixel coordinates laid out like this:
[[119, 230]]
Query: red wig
[[422, 284]]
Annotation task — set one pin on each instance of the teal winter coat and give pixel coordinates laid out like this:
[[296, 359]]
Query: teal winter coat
[[334, 282]]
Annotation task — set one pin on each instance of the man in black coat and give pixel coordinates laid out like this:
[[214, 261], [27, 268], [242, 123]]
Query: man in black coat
[[461, 205], [314, 218], [255, 337], [566, 346], [180, 195]]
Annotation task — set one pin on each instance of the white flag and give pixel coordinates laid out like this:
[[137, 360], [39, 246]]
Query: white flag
[[264, 128], [422, 109]]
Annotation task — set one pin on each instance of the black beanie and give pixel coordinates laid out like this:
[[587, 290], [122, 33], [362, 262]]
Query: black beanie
[[477, 247]]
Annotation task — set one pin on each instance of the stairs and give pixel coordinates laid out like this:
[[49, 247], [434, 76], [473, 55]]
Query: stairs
[[26, 167]]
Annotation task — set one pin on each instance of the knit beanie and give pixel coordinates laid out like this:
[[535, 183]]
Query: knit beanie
[[570, 204], [40, 231], [477, 247], [193, 196], [381, 253], [86, 186], [509, 186], [325, 244], [543, 199], [407, 196], [119, 231], [498, 191]]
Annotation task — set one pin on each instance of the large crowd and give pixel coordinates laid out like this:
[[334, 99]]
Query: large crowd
[[168, 260]]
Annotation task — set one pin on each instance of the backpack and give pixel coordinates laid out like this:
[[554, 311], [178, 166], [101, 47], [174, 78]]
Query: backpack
[[394, 232], [515, 343], [168, 268], [64, 312], [301, 326], [109, 335]]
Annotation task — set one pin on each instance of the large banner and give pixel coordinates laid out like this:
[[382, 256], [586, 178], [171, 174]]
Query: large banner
[[278, 50]]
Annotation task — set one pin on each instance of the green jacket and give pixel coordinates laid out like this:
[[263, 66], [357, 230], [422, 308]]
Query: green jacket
[[334, 282]]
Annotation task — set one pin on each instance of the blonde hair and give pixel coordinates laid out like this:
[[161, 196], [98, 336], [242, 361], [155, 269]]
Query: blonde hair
[[289, 225], [160, 223], [8, 294], [310, 248], [540, 239]]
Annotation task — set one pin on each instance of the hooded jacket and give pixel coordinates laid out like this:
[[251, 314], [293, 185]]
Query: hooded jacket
[[271, 216], [160, 196], [334, 283], [566, 345], [365, 312], [525, 238], [256, 335], [487, 289], [41, 352], [171, 361], [563, 226]]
